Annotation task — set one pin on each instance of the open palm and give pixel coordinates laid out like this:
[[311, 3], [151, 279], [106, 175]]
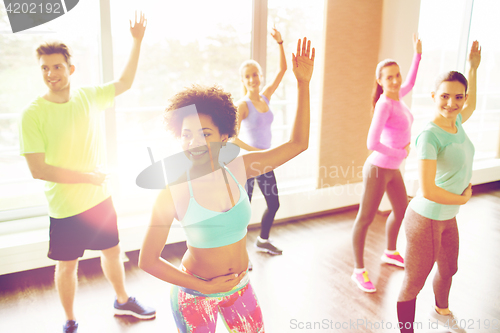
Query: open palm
[[475, 55], [139, 27], [303, 63]]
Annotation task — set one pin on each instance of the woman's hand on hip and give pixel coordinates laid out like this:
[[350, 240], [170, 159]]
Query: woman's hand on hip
[[223, 283], [407, 148], [467, 193]]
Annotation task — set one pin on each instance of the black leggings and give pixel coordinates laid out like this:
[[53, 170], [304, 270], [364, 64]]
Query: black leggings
[[269, 188]]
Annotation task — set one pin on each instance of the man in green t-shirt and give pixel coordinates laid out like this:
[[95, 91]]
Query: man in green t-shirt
[[62, 141]]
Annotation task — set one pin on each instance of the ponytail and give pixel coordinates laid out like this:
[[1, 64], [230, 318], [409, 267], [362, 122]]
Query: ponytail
[[377, 91]]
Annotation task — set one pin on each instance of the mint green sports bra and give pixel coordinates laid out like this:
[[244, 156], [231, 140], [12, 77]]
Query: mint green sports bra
[[206, 228]]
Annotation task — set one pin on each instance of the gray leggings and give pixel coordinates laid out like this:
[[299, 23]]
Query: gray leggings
[[377, 181], [429, 241]]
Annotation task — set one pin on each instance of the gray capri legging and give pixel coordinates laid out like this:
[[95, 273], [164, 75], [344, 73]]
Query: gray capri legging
[[377, 181], [429, 241]]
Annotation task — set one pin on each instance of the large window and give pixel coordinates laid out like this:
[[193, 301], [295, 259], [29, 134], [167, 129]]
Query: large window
[[484, 127], [295, 19], [186, 42], [447, 29]]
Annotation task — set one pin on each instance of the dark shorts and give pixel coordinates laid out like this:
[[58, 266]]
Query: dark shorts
[[94, 229]]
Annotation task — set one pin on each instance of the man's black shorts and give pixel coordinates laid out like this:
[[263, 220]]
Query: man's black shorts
[[93, 229]]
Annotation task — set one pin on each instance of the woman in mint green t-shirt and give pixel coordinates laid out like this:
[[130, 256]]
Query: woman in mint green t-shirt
[[445, 156]]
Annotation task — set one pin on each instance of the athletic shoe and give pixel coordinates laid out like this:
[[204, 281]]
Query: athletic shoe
[[449, 321], [133, 308], [363, 282], [71, 326], [393, 259], [266, 245]]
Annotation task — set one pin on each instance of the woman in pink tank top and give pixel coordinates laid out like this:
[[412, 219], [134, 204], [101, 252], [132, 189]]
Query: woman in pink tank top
[[254, 119], [389, 139]]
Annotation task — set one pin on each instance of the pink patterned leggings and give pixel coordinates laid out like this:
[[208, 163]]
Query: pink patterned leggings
[[197, 313]]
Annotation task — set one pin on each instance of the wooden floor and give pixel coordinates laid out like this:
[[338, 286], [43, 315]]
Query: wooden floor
[[307, 289]]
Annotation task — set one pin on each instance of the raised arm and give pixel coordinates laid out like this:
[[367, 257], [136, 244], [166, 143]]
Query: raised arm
[[407, 86], [432, 192], [43, 171], [474, 60], [261, 162], [127, 78], [150, 259], [269, 89]]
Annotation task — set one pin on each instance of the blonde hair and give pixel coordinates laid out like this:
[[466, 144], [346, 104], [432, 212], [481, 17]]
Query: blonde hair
[[245, 64]]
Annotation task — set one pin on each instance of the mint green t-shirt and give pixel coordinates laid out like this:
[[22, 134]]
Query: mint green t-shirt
[[454, 154], [71, 137]]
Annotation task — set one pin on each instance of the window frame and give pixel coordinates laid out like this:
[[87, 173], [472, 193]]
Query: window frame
[[480, 162]]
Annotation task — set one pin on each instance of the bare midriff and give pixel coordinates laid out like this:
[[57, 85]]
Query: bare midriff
[[213, 262]]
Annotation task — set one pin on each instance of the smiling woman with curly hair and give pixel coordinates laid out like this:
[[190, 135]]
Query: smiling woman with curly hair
[[214, 209], [212, 101]]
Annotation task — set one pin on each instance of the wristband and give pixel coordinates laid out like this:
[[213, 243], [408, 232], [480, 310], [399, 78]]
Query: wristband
[[281, 42]]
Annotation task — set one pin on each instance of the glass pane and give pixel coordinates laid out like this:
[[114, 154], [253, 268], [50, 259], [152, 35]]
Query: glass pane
[[440, 45], [290, 18], [21, 82], [484, 126], [441, 40], [181, 46]]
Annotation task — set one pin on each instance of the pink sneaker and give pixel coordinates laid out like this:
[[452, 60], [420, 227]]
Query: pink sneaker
[[363, 282], [393, 259]]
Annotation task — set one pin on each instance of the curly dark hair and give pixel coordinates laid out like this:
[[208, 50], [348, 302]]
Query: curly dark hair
[[212, 101]]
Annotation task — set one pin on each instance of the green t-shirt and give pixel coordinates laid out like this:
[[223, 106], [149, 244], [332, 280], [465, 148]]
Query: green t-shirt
[[71, 137], [454, 154]]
